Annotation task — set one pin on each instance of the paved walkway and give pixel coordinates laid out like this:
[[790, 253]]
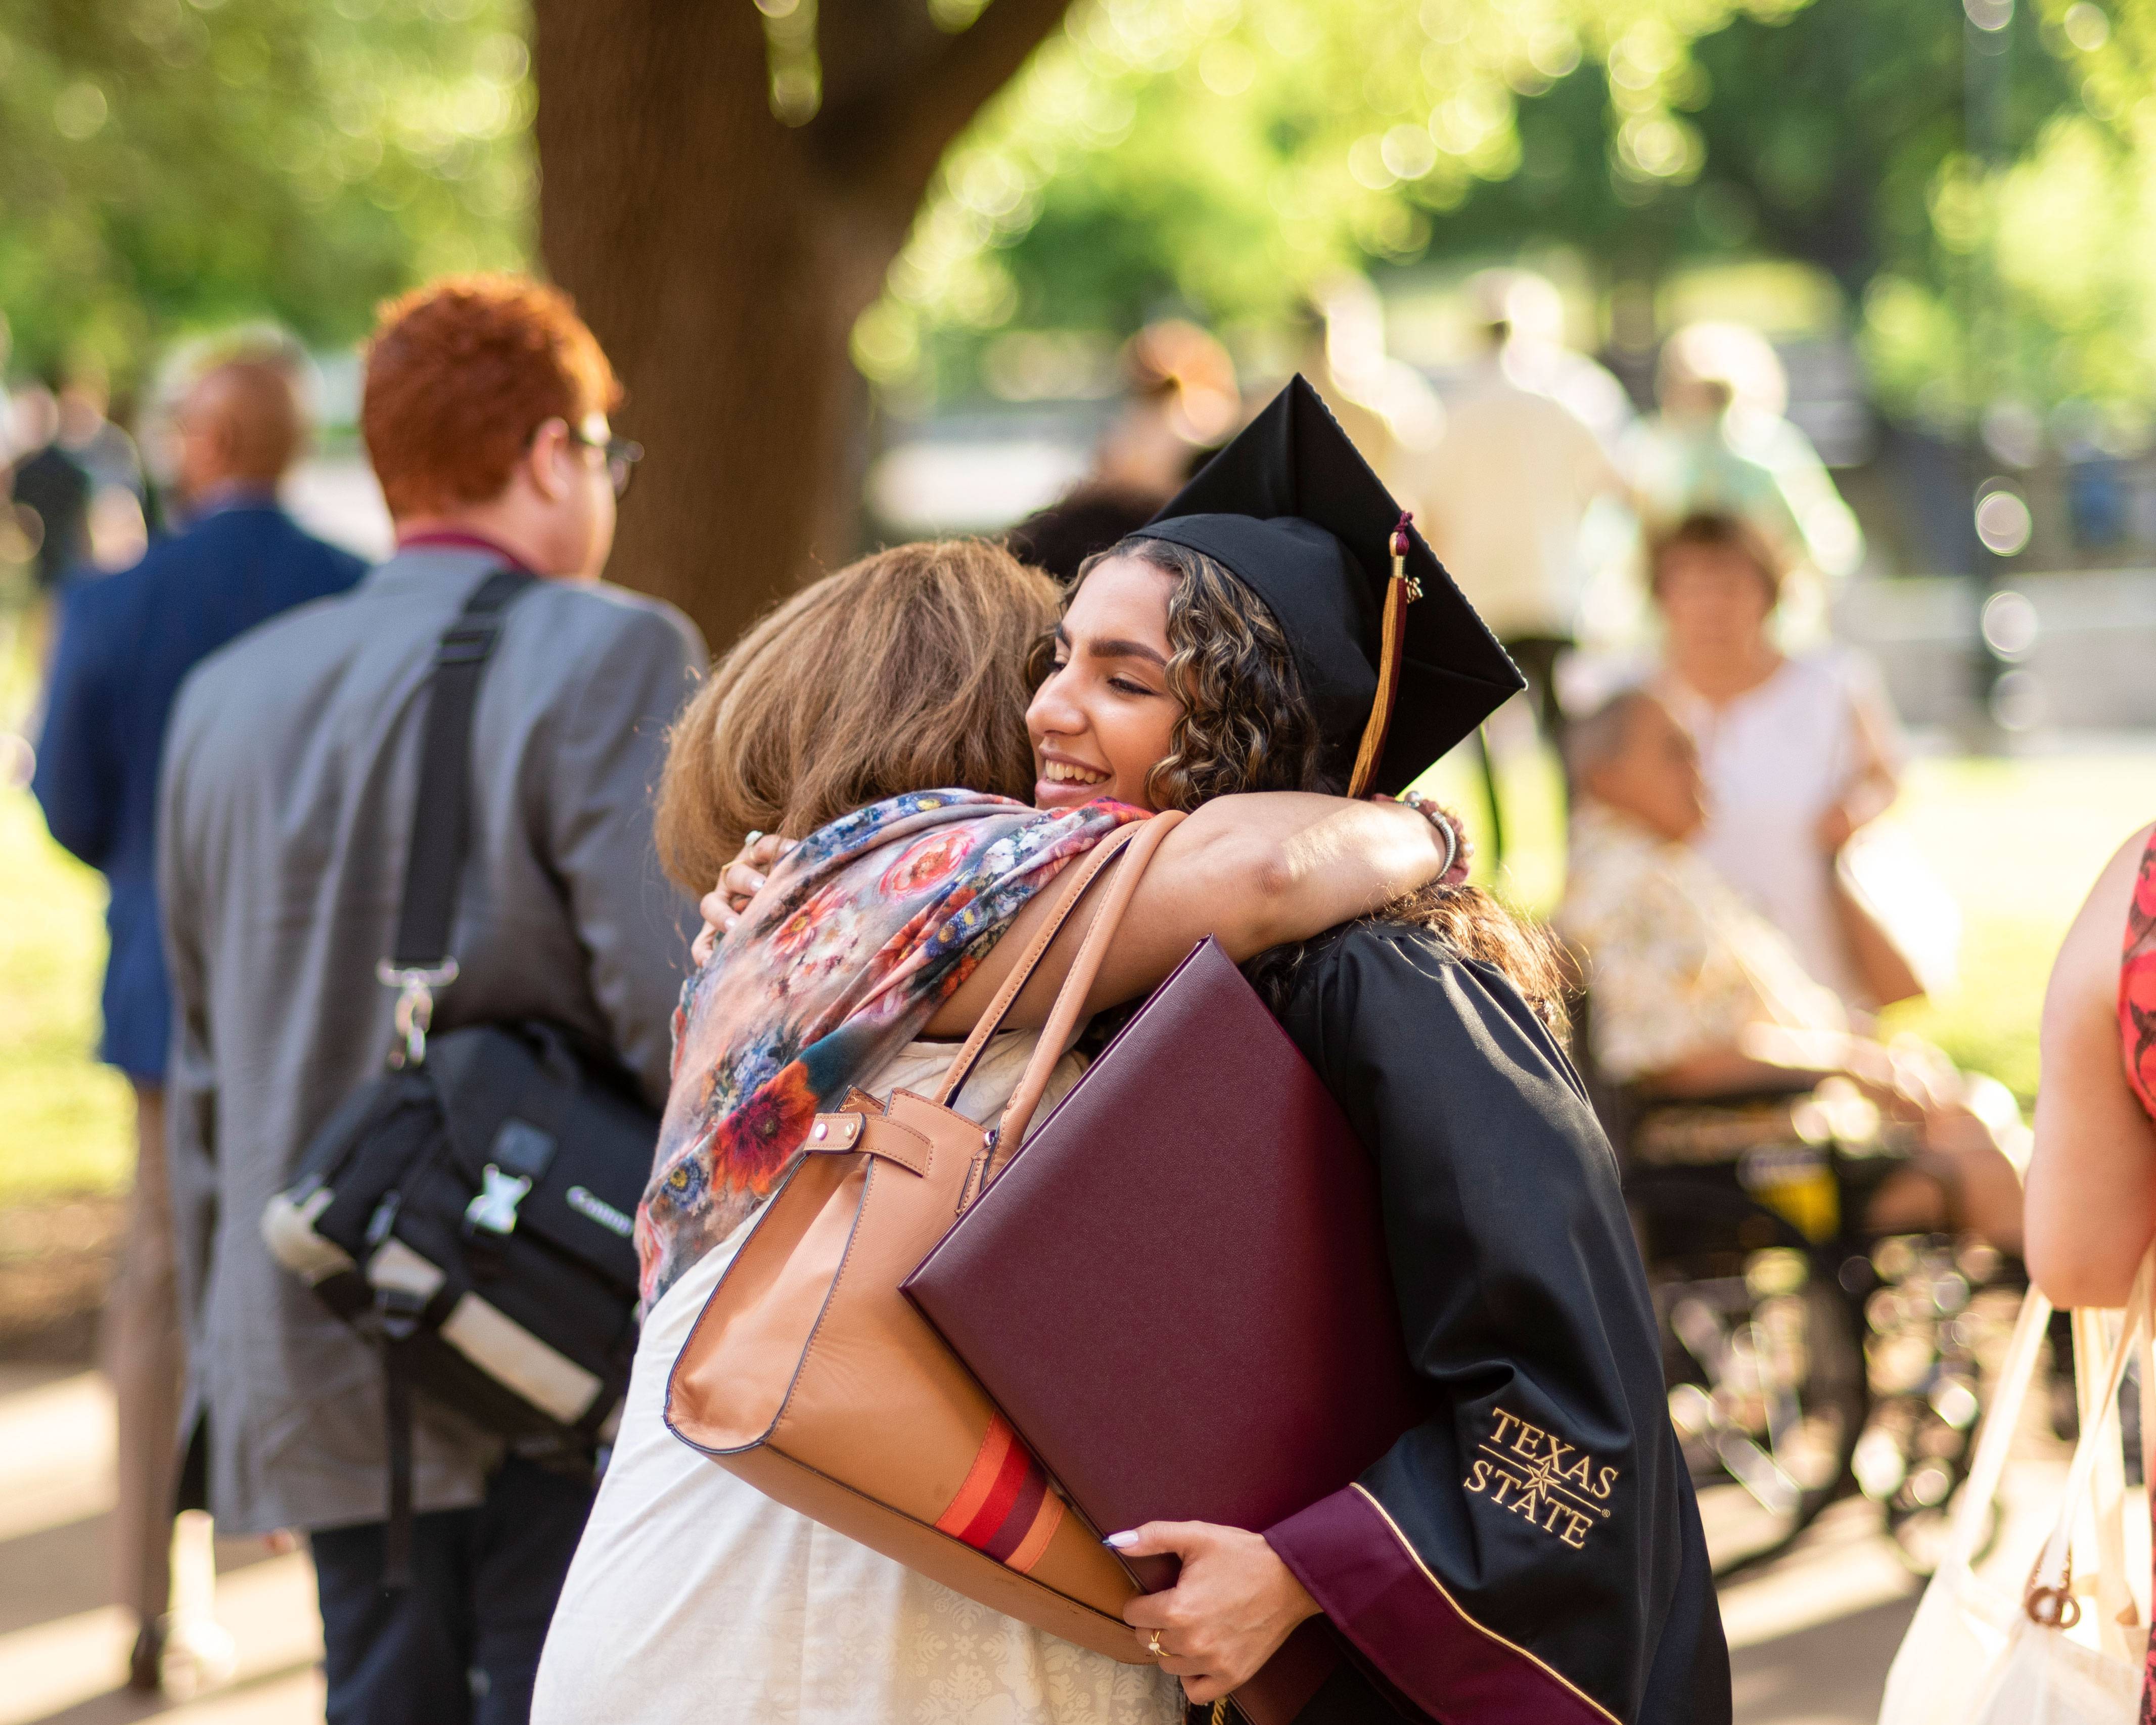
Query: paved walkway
[[63, 1649], [1811, 1634]]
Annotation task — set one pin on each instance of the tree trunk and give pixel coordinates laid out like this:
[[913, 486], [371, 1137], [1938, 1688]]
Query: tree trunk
[[723, 257]]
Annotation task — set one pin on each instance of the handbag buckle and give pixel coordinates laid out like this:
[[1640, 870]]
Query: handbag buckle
[[415, 985], [977, 1171], [2052, 1607]]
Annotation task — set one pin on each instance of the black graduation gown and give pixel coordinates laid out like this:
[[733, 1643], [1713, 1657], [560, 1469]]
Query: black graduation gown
[[1531, 1554]]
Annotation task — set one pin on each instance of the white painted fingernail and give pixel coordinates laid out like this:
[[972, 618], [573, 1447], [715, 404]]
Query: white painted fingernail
[[1121, 1542]]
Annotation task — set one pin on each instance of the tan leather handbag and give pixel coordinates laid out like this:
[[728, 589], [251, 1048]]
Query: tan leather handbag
[[811, 1376]]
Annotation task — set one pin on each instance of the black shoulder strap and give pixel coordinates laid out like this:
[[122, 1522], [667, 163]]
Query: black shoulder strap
[[442, 819]]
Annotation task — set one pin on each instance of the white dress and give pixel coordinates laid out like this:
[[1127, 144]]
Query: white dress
[[695, 1597], [1776, 759]]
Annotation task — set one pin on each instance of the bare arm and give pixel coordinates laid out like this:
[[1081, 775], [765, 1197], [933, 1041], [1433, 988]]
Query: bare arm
[[1252, 871], [1874, 784], [2091, 1204]]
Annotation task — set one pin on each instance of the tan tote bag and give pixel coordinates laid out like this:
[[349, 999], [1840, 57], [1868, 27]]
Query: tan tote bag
[[2070, 1649], [811, 1376]]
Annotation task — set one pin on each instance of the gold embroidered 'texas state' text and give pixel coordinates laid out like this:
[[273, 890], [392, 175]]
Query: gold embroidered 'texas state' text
[[1554, 1487]]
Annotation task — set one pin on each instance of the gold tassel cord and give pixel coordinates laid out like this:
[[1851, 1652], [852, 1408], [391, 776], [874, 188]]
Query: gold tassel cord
[[1401, 591]]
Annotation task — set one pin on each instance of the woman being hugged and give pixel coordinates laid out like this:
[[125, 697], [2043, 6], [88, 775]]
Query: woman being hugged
[[879, 717]]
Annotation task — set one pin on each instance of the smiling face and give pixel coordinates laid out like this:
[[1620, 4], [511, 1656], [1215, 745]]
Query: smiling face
[[1106, 716]]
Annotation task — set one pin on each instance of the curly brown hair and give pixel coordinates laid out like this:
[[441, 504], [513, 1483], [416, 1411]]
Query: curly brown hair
[[1245, 726]]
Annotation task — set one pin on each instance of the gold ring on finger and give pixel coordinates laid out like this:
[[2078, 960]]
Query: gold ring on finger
[[1153, 1646]]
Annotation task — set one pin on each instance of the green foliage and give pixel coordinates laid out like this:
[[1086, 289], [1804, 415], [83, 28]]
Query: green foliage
[[1981, 198], [172, 164], [1223, 155], [2043, 250]]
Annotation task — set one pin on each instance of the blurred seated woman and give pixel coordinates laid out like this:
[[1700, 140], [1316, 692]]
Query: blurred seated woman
[[692, 1595], [1696, 996], [1798, 752], [2092, 1180]]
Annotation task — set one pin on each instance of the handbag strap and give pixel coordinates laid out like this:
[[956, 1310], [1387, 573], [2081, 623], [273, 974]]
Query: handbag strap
[[1995, 1437], [1141, 839], [991, 1019], [2050, 1576], [1061, 1028], [2093, 1350], [420, 960]]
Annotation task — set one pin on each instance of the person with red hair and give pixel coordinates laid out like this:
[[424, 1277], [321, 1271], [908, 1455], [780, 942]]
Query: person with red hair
[[286, 817]]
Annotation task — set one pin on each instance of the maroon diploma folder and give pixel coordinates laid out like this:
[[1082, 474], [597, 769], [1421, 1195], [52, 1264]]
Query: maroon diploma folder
[[1178, 1291]]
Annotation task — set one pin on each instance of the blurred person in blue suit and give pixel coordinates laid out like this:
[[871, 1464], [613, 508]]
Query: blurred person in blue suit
[[126, 641]]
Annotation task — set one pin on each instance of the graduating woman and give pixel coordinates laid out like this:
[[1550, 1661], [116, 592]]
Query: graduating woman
[[1531, 1551]]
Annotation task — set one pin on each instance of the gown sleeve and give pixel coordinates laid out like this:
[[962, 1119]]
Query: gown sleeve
[[1531, 1551]]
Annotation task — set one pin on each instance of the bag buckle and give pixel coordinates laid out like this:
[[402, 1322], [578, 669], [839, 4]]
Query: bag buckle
[[2052, 1607], [977, 1170], [415, 985], [495, 1208]]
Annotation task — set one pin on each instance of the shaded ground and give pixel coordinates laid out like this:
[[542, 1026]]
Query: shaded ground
[[63, 1647], [1811, 1634]]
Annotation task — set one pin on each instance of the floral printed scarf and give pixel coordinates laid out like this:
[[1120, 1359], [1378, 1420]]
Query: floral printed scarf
[[862, 931]]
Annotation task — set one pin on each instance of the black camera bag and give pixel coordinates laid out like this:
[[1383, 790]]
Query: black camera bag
[[470, 1209]]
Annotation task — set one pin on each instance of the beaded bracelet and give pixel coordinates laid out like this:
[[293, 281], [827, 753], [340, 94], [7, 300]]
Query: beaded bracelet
[[1457, 851]]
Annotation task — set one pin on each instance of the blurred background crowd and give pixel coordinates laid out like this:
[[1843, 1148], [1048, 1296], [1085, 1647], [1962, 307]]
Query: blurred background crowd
[[1777, 377]]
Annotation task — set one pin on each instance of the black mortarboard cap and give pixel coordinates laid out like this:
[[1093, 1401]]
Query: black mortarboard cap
[[1291, 510]]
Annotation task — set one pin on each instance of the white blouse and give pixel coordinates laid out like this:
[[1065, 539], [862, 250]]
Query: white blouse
[[1776, 759], [695, 1597]]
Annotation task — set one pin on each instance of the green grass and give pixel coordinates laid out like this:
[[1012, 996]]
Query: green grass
[[66, 1123], [2017, 841]]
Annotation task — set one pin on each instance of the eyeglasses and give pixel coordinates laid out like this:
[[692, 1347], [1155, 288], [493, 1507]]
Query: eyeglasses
[[622, 454]]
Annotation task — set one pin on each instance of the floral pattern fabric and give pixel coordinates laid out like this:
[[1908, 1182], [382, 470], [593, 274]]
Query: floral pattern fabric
[[1679, 965], [2137, 984], [2137, 1032], [861, 932]]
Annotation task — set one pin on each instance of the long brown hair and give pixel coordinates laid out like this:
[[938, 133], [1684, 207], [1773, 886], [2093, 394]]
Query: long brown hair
[[1246, 726], [904, 670]]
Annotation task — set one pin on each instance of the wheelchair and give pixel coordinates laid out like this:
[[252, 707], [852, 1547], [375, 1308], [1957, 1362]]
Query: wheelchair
[[1808, 1358]]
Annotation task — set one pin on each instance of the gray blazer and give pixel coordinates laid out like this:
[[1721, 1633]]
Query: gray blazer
[[285, 809]]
